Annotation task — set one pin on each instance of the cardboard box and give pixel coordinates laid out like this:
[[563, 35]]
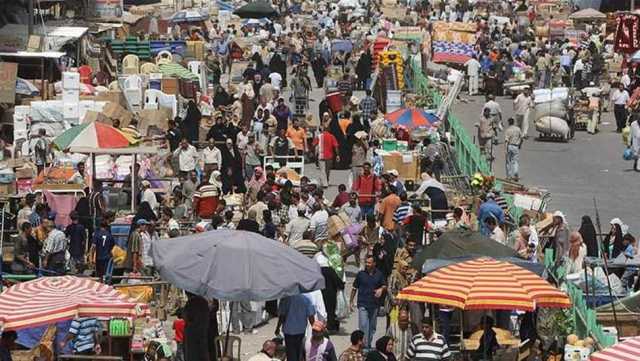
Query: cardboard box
[[70, 111], [8, 189], [110, 96], [112, 111], [408, 170], [153, 118], [70, 80], [71, 95], [170, 86], [24, 172]]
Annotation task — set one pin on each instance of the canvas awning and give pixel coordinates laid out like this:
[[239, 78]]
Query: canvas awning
[[587, 14]]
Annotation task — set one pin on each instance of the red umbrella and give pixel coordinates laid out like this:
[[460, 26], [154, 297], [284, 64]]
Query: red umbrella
[[49, 300], [412, 118], [629, 350]]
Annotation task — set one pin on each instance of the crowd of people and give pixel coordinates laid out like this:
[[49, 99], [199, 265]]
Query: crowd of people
[[268, 114]]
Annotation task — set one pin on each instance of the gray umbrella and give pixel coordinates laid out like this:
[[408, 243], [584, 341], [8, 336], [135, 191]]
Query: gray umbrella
[[235, 266]]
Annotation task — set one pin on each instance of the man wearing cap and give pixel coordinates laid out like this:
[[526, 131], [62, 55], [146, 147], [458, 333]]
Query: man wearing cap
[[428, 345], [396, 182], [318, 347], [489, 209], [149, 196]]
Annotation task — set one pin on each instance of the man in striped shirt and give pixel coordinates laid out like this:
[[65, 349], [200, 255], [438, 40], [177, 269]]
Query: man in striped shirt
[[85, 333], [428, 345], [403, 211]]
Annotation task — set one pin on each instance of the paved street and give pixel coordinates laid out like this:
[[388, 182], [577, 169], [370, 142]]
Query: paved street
[[575, 172]]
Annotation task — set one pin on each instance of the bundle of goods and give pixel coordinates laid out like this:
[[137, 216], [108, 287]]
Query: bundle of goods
[[392, 67], [453, 42], [550, 112]]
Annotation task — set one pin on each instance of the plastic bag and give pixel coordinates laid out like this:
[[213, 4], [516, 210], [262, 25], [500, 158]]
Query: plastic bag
[[342, 306]]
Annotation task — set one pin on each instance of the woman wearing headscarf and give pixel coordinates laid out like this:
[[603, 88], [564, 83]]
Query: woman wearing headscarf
[[333, 284], [577, 252], [217, 131], [363, 69], [191, 122], [256, 182], [588, 233], [383, 351], [278, 65], [221, 97], [613, 241], [233, 180], [343, 146]]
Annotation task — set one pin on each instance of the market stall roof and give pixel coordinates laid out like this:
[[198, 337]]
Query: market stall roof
[[412, 118], [48, 300], [586, 14], [485, 284], [94, 134], [257, 9], [67, 31]]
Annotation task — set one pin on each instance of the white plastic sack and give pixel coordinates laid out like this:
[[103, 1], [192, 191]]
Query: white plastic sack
[[554, 108], [342, 307], [553, 126], [545, 95]]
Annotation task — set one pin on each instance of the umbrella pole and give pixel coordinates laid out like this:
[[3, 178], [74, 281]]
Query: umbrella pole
[[226, 338], [461, 330]]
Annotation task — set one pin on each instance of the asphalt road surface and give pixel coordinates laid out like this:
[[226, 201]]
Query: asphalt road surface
[[574, 173]]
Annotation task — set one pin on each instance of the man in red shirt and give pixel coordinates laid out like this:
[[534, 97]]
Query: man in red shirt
[[367, 185], [327, 147], [178, 331]]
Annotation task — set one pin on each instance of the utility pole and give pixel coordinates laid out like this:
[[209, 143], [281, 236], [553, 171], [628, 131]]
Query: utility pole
[[30, 21], [633, 5]]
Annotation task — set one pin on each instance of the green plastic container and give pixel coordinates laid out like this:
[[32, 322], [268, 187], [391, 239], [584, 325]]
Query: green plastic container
[[389, 145]]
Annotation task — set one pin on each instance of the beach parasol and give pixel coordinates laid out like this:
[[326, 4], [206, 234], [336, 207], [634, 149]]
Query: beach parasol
[[257, 9], [412, 118], [189, 16], [49, 300], [628, 350], [235, 266], [485, 284], [93, 135]]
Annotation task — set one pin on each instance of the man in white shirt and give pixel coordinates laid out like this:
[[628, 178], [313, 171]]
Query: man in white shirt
[[297, 226], [619, 98], [496, 232], [212, 157], [149, 196], [187, 156], [319, 223], [522, 106], [495, 113], [473, 72]]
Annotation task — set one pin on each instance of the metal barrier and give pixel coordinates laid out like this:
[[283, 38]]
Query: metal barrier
[[584, 319]]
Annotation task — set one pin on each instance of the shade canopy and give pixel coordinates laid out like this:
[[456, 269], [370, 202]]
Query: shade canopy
[[257, 9], [587, 14], [235, 266], [628, 350], [49, 300], [189, 15], [412, 118], [485, 284], [94, 135]]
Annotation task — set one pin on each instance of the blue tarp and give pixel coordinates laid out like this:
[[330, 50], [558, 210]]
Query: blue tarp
[[30, 337]]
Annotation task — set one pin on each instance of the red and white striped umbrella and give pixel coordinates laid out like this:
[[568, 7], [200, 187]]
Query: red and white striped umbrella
[[52, 299], [628, 350]]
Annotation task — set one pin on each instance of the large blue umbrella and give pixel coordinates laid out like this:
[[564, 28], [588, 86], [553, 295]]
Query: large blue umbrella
[[235, 266]]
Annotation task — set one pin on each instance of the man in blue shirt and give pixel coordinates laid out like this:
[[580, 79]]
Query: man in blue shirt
[[489, 209], [84, 334], [294, 314], [103, 243], [370, 287], [77, 235]]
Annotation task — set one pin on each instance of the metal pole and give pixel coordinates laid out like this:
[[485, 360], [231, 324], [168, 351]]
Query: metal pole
[[1, 241], [606, 272], [633, 5], [30, 19], [133, 182]]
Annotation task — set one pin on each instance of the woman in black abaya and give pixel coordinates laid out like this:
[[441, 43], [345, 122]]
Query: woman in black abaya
[[344, 150], [588, 233], [279, 66], [191, 122]]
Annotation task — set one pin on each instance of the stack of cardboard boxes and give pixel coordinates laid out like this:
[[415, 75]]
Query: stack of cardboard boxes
[[71, 96]]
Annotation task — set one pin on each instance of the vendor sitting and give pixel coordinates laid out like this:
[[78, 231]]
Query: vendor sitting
[[488, 341], [79, 176]]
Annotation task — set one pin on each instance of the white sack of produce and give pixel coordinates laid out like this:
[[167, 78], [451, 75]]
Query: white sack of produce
[[545, 95], [555, 108], [553, 126]]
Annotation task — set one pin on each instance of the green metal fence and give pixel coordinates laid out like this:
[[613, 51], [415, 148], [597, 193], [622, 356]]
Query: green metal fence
[[584, 319]]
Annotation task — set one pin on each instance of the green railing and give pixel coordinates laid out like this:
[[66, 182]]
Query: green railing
[[468, 156], [585, 321]]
